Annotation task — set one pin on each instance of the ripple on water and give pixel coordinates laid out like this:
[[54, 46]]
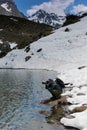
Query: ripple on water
[[20, 94]]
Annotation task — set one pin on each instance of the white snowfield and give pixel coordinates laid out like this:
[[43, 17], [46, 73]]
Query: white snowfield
[[6, 7], [63, 52]]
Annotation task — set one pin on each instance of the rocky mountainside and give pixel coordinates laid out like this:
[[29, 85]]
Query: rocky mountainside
[[51, 19], [64, 49], [18, 33], [8, 7]]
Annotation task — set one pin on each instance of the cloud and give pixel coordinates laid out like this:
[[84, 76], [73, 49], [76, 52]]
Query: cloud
[[53, 6], [79, 8]]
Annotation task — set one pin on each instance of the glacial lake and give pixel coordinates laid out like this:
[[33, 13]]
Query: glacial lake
[[21, 92]]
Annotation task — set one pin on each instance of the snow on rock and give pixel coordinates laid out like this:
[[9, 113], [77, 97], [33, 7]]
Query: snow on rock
[[14, 19], [66, 53], [13, 45], [52, 19], [6, 7], [1, 42], [1, 30]]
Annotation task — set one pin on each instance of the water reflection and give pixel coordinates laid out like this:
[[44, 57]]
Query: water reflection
[[20, 90]]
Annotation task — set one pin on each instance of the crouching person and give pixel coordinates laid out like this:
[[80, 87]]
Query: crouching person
[[55, 87]]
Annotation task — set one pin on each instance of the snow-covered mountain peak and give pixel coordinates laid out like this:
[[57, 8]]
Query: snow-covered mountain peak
[[40, 12], [8, 7], [51, 19]]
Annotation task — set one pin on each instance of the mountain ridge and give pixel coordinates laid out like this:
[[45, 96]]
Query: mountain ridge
[[57, 51], [20, 31], [51, 19], [9, 8]]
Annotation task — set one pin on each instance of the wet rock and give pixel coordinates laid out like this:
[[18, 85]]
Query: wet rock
[[54, 115], [63, 101], [50, 101], [79, 109], [80, 94], [58, 102], [44, 112], [58, 109]]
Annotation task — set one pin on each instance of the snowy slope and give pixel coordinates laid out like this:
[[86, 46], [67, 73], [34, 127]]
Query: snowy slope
[[64, 52], [58, 49]]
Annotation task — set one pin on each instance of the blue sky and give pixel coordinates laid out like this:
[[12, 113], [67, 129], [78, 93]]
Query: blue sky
[[28, 7], [24, 5]]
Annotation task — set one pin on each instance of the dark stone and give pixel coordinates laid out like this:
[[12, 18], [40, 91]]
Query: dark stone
[[5, 47], [27, 58], [67, 30], [82, 67], [39, 50], [27, 49], [32, 53], [6, 63]]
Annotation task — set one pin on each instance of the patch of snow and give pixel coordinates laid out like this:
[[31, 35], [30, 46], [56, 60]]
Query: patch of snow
[[12, 45], [14, 19], [79, 121], [1, 30], [1, 42], [6, 7]]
